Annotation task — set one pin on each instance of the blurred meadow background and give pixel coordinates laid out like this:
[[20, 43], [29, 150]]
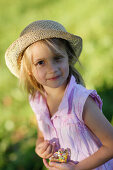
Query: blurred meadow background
[[90, 19]]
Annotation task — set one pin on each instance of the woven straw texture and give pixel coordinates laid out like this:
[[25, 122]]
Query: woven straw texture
[[38, 30]]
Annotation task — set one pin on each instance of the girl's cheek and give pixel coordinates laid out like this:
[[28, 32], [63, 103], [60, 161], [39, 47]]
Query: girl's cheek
[[38, 74], [65, 67], [41, 74]]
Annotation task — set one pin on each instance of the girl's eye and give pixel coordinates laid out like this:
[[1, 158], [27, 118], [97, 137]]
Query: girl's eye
[[40, 63], [59, 58]]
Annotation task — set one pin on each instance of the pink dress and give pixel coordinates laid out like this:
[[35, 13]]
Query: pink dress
[[66, 127]]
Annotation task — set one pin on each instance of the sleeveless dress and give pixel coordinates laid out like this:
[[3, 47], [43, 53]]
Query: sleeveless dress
[[66, 127]]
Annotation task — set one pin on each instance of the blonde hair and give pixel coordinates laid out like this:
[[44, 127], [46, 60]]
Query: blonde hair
[[28, 81]]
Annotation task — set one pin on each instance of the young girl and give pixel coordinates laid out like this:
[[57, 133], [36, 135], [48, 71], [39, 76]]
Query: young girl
[[68, 115]]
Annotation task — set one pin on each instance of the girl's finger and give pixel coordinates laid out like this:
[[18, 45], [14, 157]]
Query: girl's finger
[[43, 148], [56, 164], [42, 144], [49, 149], [52, 151], [47, 152], [46, 163], [48, 156]]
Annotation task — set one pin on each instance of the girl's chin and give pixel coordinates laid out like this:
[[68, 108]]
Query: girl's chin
[[56, 84]]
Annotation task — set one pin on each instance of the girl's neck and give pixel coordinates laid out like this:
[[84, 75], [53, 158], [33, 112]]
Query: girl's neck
[[54, 92], [53, 98]]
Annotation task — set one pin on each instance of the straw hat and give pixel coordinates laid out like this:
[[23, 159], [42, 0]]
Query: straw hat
[[35, 31]]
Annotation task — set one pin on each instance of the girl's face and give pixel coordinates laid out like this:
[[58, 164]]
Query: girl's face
[[49, 68]]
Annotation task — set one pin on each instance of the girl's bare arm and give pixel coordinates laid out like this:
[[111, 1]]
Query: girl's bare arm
[[100, 126]]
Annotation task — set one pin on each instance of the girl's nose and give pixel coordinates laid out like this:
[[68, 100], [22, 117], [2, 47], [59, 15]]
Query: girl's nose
[[52, 67]]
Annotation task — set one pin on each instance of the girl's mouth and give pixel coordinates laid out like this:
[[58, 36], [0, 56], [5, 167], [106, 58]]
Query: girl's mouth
[[54, 78]]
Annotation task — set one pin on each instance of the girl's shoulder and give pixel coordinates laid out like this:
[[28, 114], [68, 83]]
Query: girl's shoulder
[[80, 96]]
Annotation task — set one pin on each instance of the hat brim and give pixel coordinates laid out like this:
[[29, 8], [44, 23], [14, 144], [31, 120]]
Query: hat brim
[[17, 47]]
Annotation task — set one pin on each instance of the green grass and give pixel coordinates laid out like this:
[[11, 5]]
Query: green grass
[[92, 20]]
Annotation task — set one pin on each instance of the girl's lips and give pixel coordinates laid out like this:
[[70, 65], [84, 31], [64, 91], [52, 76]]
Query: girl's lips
[[54, 78]]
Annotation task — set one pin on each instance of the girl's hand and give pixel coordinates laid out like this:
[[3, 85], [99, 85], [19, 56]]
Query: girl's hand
[[45, 149], [60, 166]]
